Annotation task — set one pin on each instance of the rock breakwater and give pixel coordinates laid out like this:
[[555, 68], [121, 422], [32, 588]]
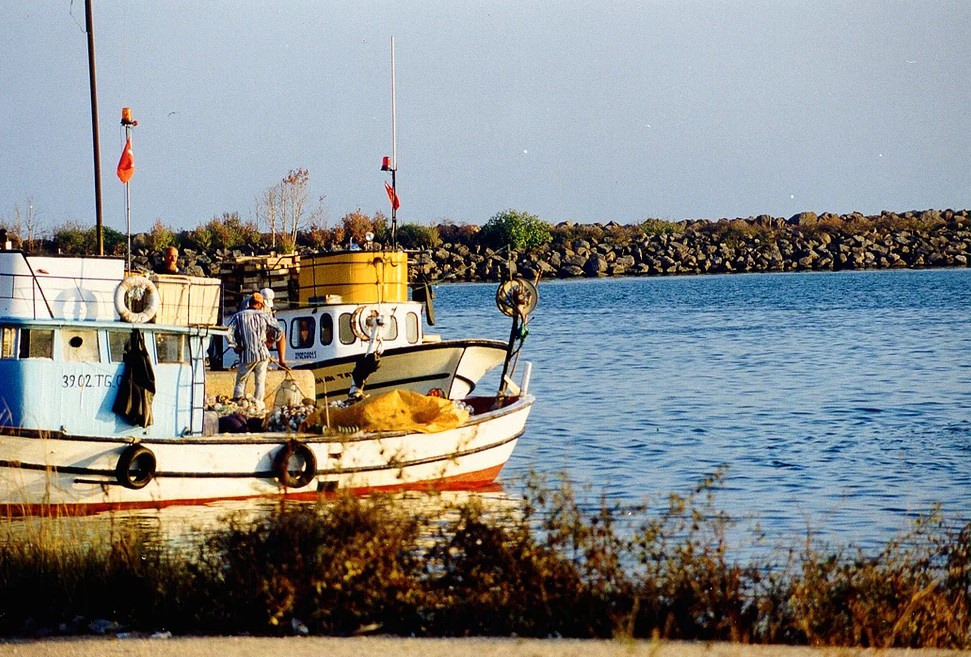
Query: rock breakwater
[[804, 242]]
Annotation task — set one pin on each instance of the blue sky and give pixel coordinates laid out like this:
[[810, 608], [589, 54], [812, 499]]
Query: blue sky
[[581, 111]]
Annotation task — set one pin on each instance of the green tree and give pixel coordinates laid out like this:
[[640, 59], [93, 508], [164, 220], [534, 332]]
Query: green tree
[[518, 230]]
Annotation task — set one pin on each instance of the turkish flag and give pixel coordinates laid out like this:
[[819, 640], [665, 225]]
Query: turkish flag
[[126, 165], [391, 195]]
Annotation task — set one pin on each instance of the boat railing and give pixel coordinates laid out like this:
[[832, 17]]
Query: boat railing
[[84, 289], [53, 288]]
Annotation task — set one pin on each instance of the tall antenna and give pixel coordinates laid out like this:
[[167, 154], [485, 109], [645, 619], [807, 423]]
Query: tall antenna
[[394, 117], [394, 157], [391, 163]]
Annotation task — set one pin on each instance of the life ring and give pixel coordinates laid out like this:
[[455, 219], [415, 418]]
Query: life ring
[[136, 467], [295, 478], [363, 318], [142, 286]]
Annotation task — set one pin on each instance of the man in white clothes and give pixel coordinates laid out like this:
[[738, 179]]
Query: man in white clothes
[[250, 330]]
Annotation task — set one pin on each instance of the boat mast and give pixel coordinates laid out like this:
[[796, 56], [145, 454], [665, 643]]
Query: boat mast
[[92, 83], [394, 157]]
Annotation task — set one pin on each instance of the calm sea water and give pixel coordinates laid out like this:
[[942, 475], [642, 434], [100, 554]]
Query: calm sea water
[[840, 403]]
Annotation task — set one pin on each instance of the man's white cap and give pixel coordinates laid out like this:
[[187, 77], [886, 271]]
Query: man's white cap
[[267, 296]]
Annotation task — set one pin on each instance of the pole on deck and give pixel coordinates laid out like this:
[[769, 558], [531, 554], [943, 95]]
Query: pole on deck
[[92, 83]]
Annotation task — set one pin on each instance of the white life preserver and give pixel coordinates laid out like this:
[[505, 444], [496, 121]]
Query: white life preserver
[[132, 284], [365, 319]]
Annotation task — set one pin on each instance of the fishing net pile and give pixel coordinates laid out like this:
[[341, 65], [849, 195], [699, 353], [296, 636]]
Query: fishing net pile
[[398, 410]]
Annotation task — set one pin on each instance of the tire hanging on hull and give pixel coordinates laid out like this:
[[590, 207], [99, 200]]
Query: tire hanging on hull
[[136, 467]]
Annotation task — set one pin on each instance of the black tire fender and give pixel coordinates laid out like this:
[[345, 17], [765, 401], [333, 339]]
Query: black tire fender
[[136, 467], [295, 478]]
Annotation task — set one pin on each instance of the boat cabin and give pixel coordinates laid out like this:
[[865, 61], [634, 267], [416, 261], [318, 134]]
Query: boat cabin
[[63, 340], [341, 304]]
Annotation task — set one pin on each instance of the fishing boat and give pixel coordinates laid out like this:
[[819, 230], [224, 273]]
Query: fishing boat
[[349, 320], [105, 401]]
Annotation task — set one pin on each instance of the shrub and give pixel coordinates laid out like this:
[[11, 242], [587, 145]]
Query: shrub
[[413, 236], [515, 229], [357, 224], [336, 567], [231, 232], [160, 236], [75, 239], [226, 232], [661, 227], [201, 238], [549, 565]]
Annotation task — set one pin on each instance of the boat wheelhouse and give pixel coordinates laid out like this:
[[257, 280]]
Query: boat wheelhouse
[[336, 307]]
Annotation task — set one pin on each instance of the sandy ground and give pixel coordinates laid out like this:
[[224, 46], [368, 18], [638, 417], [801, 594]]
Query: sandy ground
[[396, 647]]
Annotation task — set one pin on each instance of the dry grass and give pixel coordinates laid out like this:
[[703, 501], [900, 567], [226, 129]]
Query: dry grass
[[548, 566]]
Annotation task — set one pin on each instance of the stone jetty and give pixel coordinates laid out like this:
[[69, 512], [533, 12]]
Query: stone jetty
[[803, 242]]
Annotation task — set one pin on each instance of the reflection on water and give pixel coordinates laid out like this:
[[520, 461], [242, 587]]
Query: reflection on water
[[184, 527]]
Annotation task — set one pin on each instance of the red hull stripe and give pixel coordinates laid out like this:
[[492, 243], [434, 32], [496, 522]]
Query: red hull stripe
[[482, 480]]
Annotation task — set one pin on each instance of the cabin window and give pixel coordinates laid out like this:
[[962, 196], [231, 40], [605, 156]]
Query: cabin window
[[116, 345], [37, 343], [411, 327], [302, 333], [326, 329], [170, 347], [345, 332], [80, 346], [8, 342]]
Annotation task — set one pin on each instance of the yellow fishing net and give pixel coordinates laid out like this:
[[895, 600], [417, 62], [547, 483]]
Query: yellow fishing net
[[398, 410]]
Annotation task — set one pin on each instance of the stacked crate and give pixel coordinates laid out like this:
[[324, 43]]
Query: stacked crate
[[248, 274]]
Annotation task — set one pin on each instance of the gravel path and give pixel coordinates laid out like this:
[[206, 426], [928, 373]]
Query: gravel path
[[397, 647]]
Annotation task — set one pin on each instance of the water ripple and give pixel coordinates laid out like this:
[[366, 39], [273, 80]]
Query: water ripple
[[840, 402]]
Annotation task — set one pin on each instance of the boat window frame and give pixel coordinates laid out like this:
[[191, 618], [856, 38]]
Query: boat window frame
[[83, 351], [183, 348], [412, 327], [126, 336], [8, 342], [326, 325], [26, 349], [295, 326]]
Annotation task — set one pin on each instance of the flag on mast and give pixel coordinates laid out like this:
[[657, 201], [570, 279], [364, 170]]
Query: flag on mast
[[393, 196], [126, 165]]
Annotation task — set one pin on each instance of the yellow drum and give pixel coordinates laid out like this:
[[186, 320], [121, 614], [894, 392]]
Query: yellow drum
[[354, 276]]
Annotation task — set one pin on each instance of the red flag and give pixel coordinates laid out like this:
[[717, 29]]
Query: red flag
[[392, 196], [126, 165]]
